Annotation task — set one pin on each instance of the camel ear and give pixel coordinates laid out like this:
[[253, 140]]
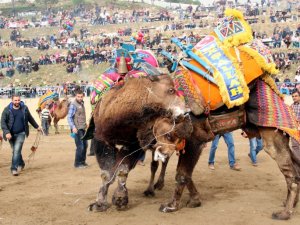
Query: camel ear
[[153, 78], [184, 128]]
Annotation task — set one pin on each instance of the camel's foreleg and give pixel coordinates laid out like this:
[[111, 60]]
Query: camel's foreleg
[[161, 179], [101, 203], [55, 122], [277, 146], [120, 196], [185, 168], [154, 166]]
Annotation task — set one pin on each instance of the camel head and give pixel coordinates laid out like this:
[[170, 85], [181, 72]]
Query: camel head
[[161, 92], [170, 135]]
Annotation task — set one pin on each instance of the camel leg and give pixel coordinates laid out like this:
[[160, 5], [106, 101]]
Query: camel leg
[[101, 204], [106, 158], [55, 122], [277, 146], [194, 200], [127, 160], [154, 166], [185, 168], [161, 179], [120, 196]]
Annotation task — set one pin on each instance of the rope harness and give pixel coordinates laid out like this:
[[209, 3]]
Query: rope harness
[[35, 145]]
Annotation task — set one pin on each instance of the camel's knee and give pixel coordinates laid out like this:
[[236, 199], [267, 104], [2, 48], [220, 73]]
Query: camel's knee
[[181, 179], [122, 173], [294, 187], [105, 176], [271, 151]]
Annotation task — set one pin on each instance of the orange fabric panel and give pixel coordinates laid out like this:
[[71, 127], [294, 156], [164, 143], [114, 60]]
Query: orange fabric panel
[[250, 68], [211, 91]]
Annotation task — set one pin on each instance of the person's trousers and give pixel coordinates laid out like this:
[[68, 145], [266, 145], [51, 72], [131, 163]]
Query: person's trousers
[[81, 147], [16, 143], [230, 145], [256, 146], [45, 126]]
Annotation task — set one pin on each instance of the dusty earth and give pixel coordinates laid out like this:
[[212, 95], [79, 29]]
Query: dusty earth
[[51, 191]]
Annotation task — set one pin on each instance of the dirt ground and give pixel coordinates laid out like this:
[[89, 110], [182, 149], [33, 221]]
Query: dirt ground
[[51, 191]]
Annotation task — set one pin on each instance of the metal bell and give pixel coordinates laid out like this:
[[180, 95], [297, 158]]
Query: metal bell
[[122, 66]]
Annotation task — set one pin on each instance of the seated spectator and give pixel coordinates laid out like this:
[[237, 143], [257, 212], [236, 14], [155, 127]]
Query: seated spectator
[[287, 64], [287, 40], [10, 71], [35, 66], [277, 41], [70, 68]]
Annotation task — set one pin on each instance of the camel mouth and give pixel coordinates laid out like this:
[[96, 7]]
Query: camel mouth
[[178, 111], [158, 155]]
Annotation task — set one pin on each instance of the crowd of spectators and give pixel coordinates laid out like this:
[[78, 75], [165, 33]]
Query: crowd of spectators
[[30, 91], [100, 47]]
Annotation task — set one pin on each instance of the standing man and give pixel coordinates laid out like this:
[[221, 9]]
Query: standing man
[[230, 145], [77, 122], [14, 123], [45, 116], [296, 108]]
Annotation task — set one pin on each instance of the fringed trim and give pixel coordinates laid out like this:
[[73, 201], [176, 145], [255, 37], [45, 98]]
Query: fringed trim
[[270, 81], [241, 38], [268, 67], [292, 132], [240, 77], [220, 81]]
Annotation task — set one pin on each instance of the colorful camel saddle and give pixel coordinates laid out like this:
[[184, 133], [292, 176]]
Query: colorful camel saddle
[[269, 110], [140, 63], [48, 98], [222, 64]]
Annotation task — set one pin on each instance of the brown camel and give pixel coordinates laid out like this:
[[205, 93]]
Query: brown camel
[[276, 144], [122, 119], [58, 110], [117, 119]]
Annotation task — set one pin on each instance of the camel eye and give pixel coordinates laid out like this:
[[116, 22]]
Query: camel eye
[[169, 137], [172, 91]]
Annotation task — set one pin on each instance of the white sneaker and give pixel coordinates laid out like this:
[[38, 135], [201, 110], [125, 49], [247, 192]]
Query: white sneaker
[[211, 166], [14, 173], [20, 168]]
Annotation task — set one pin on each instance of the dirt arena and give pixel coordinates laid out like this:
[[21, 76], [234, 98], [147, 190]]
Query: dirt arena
[[51, 191]]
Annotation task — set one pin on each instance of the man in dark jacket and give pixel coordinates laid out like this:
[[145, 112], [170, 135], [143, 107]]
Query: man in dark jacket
[[14, 123]]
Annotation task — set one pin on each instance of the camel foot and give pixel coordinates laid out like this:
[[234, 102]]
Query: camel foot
[[149, 193], [284, 203], [159, 185], [56, 132], [281, 215], [194, 203], [95, 207], [120, 202], [168, 207]]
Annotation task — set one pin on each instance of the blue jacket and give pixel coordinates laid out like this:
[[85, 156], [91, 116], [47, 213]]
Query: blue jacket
[[7, 119]]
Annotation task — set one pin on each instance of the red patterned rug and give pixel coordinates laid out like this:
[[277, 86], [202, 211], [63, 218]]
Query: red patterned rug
[[273, 112]]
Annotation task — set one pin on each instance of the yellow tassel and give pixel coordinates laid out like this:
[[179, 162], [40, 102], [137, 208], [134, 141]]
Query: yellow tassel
[[219, 79], [240, 77], [241, 38]]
